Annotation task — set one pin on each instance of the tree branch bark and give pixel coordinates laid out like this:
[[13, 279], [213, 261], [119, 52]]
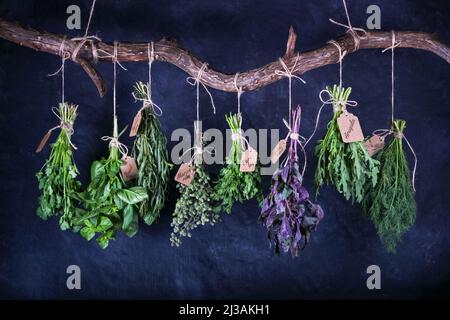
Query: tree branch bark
[[171, 52]]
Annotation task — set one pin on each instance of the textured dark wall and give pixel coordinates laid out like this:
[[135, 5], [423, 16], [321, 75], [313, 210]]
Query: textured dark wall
[[232, 259]]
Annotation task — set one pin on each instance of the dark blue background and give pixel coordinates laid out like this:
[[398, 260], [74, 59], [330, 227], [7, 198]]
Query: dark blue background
[[232, 259]]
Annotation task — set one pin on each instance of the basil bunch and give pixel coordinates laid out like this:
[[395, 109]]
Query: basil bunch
[[57, 178], [391, 205], [150, 152], [233, 184], [194, 207], [346, 165], [108, 204], [287, 212]]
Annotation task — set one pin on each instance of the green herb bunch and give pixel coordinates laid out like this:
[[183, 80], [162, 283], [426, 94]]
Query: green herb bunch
[[391, 205], [233, 184], [346, 165], [150, 152], [108, 204], [57, 178], [194, 207]]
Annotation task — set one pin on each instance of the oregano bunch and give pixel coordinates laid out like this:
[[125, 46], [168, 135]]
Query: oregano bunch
[[391, 205], [108, 204], [287, 212], [194, 207], [348, 166], [58, 177], [150, 152], [234, 185]]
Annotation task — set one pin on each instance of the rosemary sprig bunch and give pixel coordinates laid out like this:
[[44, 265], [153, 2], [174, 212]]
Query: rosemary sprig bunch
[[391, 204], [57, 178], [194, 208], [234, 185], [150, 152], [108, 204], [346, 165]]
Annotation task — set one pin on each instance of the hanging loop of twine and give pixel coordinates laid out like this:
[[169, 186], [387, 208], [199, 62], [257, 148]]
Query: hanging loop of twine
[[64, 56], [392, 47], [198, 151], [239, 91], [350, 29], [87, 38], [197, 81], [341, 57], [289, 73], [114, 142], [148, 101]]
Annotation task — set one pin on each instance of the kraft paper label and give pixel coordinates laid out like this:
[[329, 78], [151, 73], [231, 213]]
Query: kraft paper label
[[374, 144], [129, 168], [136, 123], [248, 160], [350, 128], [278, 151], [185, 174]]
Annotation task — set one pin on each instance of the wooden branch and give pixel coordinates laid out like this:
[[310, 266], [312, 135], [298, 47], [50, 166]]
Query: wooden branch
[[171, 52]]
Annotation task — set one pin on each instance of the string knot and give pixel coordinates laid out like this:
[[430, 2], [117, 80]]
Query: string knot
[[338, 104], [115, 143], [197, 81]]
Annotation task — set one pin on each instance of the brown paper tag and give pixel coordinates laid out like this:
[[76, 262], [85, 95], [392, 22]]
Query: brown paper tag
[[278, 151], [350, 128], [128, 168], [136, 123], [185, 174], [248, 160], [43, 141], [374, 144]]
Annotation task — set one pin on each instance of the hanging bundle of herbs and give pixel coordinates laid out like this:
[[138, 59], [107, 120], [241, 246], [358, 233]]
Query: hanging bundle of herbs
[[234, 184], [57, 178], [346, 165], [150, 152], [391, 205], [287, 212], [108, 204]]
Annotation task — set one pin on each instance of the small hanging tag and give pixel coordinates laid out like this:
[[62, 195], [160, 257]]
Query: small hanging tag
[[136, 123], [374, 144], [185, 174], [350, 128], [278, 151], [248, 160], [43, 141], [128, 168]]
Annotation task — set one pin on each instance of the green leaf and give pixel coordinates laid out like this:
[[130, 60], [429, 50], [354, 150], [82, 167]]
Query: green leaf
[[130, 220], [87, 233], [133, 195]]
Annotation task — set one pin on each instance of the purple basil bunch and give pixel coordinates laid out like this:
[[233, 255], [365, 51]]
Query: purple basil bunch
[[287, 212]]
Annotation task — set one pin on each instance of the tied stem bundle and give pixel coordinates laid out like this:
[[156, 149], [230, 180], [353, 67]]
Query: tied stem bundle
[[234, 185], [348, 166], [150, 152], [108, 204], [57, 178], [287, 212], [194, 207], [391, 205]]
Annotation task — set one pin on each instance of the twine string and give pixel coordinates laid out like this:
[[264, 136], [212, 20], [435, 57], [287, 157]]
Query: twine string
[[341, 57], [350, 29], [197, 81], [289, 73], [63, 125], [239, 91], [64, 56], [148, 101], [86, 38], [383, 133], [114, 142]]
